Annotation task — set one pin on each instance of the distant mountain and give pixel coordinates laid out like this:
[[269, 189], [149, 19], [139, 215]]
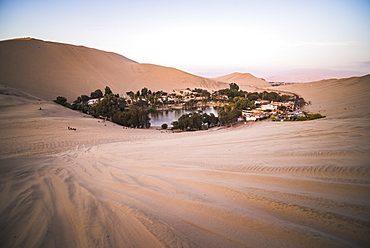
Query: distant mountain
[[310, 75], [48, 69], [246, 81]]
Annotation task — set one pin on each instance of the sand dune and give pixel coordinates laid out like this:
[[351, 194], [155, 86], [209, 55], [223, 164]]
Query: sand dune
[[311, 75], [48, 69], [26, 130], [246, 81], [343, 98], [131, 195], [266, 184]]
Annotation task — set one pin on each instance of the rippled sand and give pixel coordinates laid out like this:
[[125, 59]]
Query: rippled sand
[[268, 184]]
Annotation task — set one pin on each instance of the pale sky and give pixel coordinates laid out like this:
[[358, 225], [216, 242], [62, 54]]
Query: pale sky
[[205, 37]]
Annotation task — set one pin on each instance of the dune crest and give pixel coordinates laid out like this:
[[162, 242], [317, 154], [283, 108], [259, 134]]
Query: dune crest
[[246, 81], [266, 184], [339, 98], [49, 69]]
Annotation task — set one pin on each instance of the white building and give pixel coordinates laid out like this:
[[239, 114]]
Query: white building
[[93, 101]]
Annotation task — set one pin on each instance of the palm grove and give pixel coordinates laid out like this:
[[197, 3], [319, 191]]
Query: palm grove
[[134, 112], [110, 106]]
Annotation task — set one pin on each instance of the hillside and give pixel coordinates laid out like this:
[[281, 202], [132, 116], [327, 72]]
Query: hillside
[[311, 75], [48, 69], [290, 184], [342, 98], [266, 184], [246, 81]]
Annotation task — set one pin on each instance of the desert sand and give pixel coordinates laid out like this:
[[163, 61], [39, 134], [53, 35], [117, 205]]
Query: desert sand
[[245, 81], [266, 184], [69, 70], [343, 98]]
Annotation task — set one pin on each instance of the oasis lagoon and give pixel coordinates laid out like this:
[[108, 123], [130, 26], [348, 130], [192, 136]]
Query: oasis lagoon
[[168, 116]]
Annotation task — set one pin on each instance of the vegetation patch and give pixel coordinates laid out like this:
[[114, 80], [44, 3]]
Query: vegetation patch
[[110, 106], [234, 105], [195, 121], [309, 116]]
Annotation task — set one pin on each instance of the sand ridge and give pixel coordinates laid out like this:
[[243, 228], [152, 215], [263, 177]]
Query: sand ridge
[[336, 98], [110, 195], [50, 69], [245, 81], [267, 184], [28, 131]]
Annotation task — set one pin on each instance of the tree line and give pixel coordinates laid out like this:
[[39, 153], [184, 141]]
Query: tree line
[[195, 121], [227, 115], [134, 112], [110, 106]]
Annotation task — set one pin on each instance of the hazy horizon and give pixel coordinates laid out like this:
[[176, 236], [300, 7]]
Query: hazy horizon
[[207, 38]]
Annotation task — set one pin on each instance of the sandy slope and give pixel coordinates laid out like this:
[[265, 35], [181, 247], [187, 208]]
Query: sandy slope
[[27, 130], [270, 184], [246, 81], [48, 69], [311, 75], [343, 98]]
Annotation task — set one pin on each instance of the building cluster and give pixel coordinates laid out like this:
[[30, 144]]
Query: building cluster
[[275, 110], [93, 101]]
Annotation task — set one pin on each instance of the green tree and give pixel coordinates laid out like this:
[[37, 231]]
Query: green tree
[[141, 103], [315, 116], [301, 102], [139, 117], [80, 103], [131, 94], [164, 126], [286, 98], [195, 121], [107, 91], [230, 117], [84, 98], [62, 101], [243, 103], [229, 114], [232, 93], [211, 120], [234, 86], [191, 103], [175, 125], [273, 96], [302, 118], [144, 92], [135, 117], [96, 94], [192, 121], [253, 96], [108, 106]]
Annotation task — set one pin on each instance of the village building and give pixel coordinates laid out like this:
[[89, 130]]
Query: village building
[[268, 107], [253, 115], [261, 102], [93, 101]]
